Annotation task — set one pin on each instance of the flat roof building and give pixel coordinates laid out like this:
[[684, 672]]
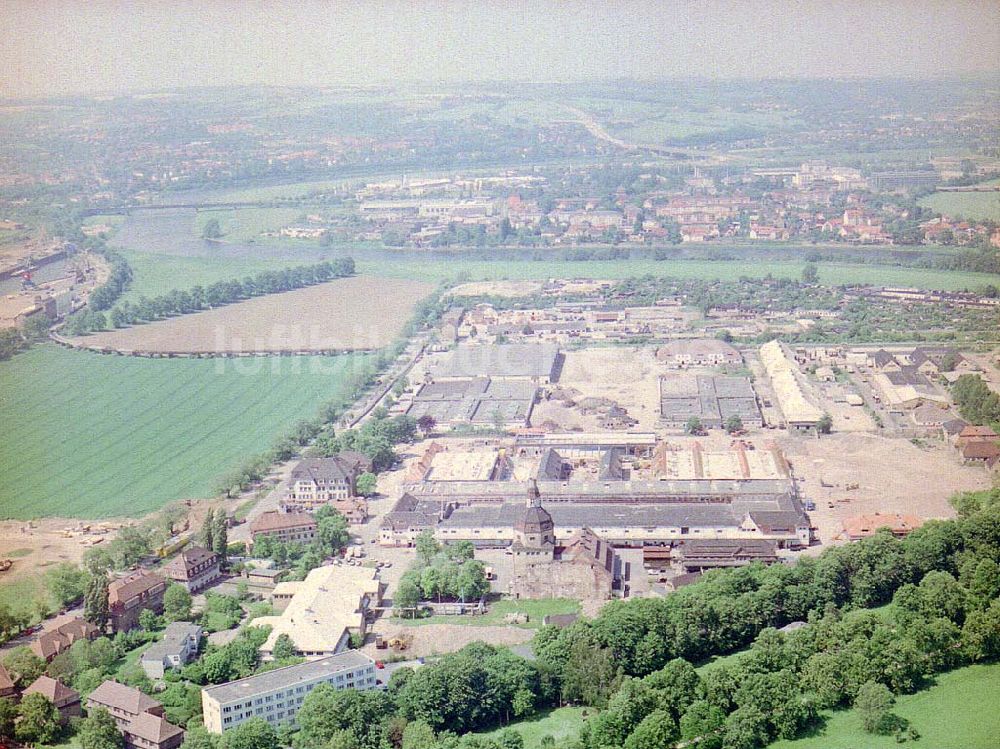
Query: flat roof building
[[276, 696], [320, 612], [712, 399], [481, 401], [534, 362]]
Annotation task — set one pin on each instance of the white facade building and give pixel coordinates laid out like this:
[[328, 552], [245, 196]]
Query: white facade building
[[276, 696]]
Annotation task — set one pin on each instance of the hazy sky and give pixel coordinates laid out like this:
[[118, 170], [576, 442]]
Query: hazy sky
[[71, 46]]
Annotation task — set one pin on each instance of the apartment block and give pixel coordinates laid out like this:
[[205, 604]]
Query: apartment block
[[276, 696]]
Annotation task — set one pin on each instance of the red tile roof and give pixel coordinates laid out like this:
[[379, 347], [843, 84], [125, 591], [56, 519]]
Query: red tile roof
[[133, 585], [275, 521], [55, 691], [113, 694], [152, 728]]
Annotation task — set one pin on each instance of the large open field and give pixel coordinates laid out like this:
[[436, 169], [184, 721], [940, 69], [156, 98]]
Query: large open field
[[357, 313], [90, 436], [247, 224], [961, 711], [723, 270], [968, 205], [156, 274]]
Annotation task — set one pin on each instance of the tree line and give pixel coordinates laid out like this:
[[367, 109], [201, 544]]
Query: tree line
[[177, 302]]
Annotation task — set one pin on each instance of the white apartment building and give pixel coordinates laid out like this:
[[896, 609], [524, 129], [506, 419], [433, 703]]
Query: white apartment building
[[276, 696]]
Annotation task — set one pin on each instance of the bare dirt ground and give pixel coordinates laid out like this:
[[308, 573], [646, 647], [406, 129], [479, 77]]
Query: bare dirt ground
[[893, 475], [497, 288], [437, 639], [357, 313], [628, 376], [40, 543]]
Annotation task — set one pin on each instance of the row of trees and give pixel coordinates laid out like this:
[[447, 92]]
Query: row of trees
[[320, 428], [177, 302]]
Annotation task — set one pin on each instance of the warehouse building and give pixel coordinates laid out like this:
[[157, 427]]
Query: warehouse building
[[538, 363], [796, 398], [712, 399], [477, 401]]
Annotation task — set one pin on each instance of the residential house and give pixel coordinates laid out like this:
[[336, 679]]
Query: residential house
[[299, 527], [130, 595], [981, 453], [704, 352], [138, 716], [195, 568], [317, 481], [971, 433], [178, 647], [60, 633], [7, 688], [66, 700]]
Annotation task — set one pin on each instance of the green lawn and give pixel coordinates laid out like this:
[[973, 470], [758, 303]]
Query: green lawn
[[246, 224], [93, 436], [110, 219], [829, 273], [968, 205], [536, 611], [961, 711], [24, 594], [155, 274], [560, 723]]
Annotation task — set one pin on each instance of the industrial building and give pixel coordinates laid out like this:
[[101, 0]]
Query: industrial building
[[711, 399], [796, 397], [627, 494], [538, 363], [321, 612], [476, 401]]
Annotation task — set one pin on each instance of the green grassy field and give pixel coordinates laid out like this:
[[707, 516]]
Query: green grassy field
[[961, 711], [246, 224], [968, 205], [560, 723], [24, 594], [829, 273], [536, 611], [93, 436], [157, 274]]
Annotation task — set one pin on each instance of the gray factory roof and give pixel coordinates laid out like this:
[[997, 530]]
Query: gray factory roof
[[707, 397], [636, 489], [698, 514], [288, 676], [476, 400], [512, 360]]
